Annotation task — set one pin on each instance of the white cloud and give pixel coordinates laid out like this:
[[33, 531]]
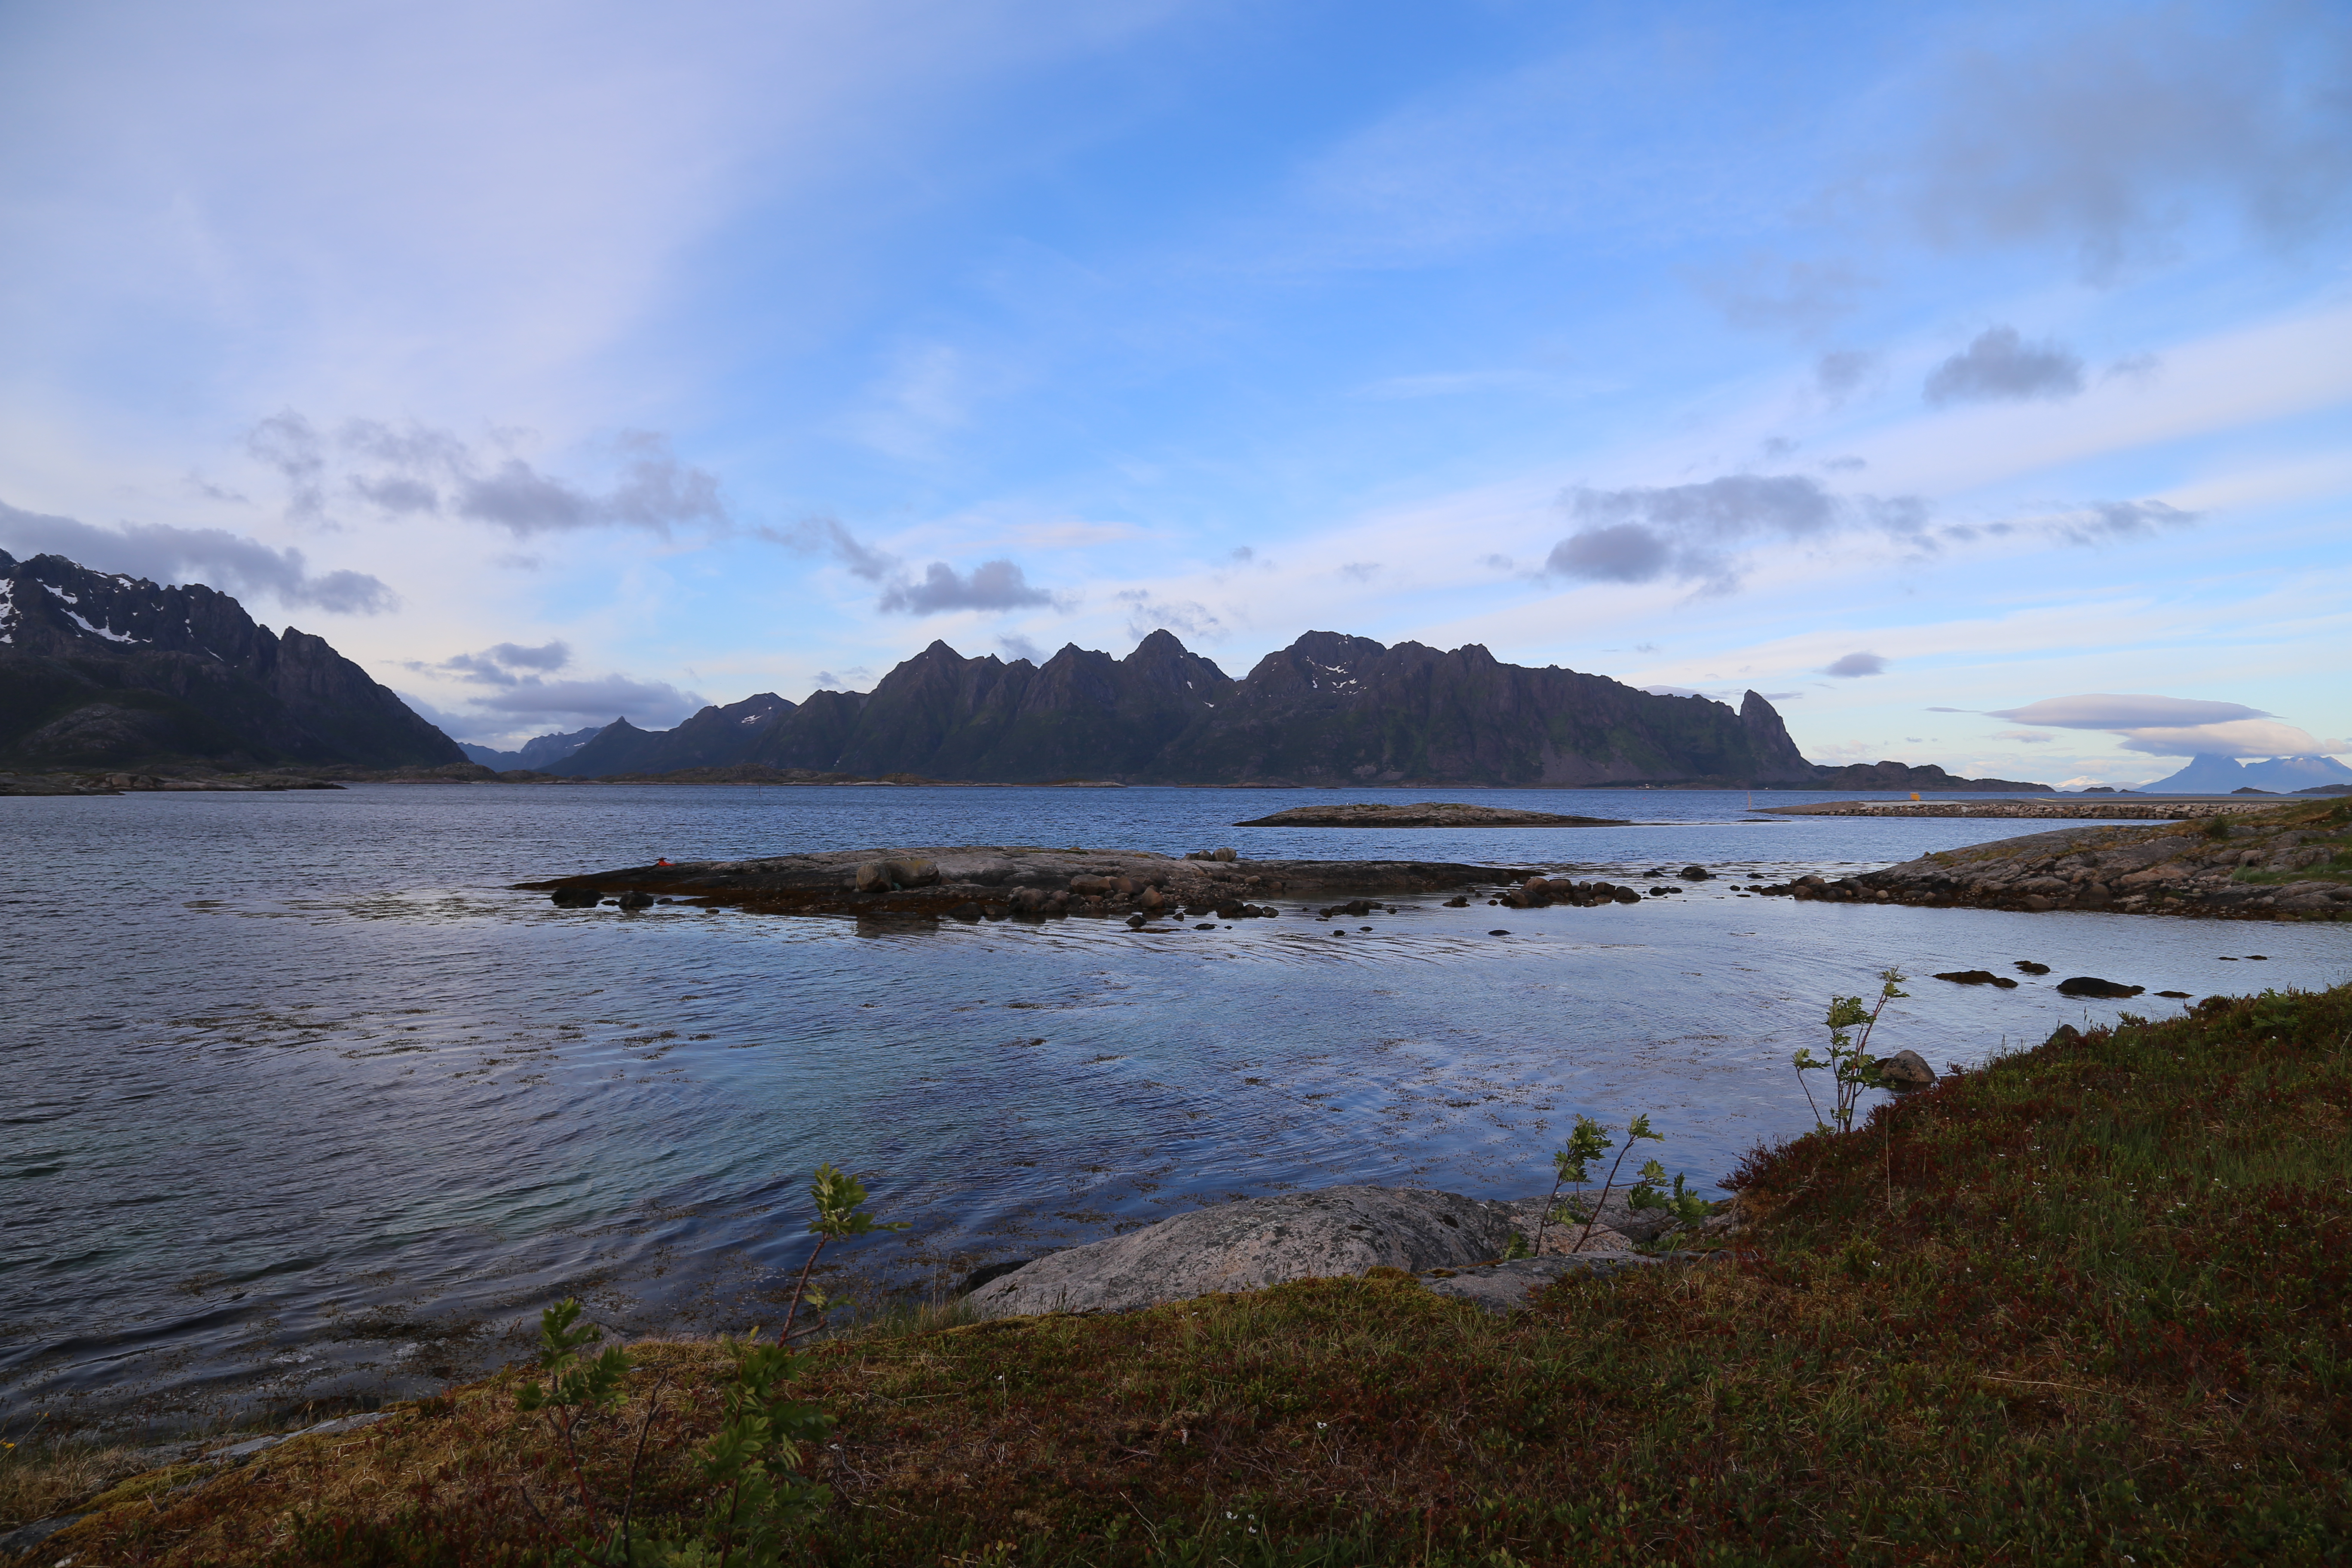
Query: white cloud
[[2106, 710], [1849, 665], [2238, 738]]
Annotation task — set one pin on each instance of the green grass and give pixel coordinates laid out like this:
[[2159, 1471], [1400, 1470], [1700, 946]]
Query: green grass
[[2085, 1306]]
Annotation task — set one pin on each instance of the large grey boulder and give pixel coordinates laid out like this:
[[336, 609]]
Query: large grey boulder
[[1334, 1231]]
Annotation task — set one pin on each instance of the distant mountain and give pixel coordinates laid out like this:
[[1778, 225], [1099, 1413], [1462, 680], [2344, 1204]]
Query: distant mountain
[[537, 752], [1329, 710], [105, 671], [2225, 775], [1923, 776]]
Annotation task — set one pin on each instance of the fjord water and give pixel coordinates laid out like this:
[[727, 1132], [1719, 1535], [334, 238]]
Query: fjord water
[[304, 1102]]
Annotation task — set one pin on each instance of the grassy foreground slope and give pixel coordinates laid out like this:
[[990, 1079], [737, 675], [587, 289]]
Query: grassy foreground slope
[[2087, 1305]]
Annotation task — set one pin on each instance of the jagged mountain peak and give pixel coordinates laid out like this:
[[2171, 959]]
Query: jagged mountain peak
[[1329, 709]]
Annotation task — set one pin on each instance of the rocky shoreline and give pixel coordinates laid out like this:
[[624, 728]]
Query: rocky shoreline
[[2288, 863], [2128, 811], [1426, 814], [151, 784], [972, 883]]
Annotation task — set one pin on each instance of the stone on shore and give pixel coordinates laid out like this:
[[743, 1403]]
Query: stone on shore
[[1908, 1070]]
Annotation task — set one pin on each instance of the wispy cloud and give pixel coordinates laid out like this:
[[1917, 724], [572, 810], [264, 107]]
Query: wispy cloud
[[231, 562]]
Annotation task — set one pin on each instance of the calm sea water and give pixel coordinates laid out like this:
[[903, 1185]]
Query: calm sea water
[[301, 1102]]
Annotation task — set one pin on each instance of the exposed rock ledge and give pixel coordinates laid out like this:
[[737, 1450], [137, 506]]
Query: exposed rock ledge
[[1334, 1231], [969, 881], [2292, 862], [2097, 810], [1427, 813]]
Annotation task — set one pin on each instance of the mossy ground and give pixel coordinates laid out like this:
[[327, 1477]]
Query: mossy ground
[[2093, 1304]]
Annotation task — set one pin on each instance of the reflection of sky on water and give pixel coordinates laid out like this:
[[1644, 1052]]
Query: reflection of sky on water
[[308, 1082]]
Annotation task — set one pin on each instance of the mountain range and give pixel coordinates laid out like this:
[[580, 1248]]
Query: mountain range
[[1330, 710], [2226, 776], [538, 753], [99, 670]]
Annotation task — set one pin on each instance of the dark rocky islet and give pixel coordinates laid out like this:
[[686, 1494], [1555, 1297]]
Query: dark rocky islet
[[1425, 813], [972, 882]]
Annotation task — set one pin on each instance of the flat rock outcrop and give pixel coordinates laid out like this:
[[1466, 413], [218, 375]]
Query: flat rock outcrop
[[2065, 810], [1334, 1231], [1427, 813], [970, 882], [2280, 862]]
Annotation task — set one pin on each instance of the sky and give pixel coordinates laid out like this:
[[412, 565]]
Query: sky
[[1973, 380]]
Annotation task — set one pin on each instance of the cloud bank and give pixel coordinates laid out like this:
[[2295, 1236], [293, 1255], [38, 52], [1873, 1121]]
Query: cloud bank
[[2175, 726], [417, 469], [1641, 535], [237, 565], [2000, 366]]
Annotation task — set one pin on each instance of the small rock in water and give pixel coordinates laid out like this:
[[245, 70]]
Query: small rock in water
[[2027, 966], [2092, 986], [2177, 995], [2258, 958], [1978, 977], [1498, 933], [1137, 922], [1457, 903], [573, 898], [1696, 874], [1908, 1069]]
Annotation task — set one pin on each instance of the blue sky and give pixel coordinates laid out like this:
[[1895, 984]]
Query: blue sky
[[1913, 364]]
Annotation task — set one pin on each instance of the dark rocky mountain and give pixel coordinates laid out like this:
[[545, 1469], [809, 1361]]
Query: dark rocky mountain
[[714, 737], [100, 670], [535, 754], [1923, 776], [1329, 710]]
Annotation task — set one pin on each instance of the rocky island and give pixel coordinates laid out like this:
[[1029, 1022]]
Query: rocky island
[[969, 883], [1427, 813]]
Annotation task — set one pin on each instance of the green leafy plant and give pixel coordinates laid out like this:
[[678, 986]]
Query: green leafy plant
[[1851, 1064], [1586, 1142], [1574, 1165], [1687, 1207], [840, 1200], [760, 1502], [576, 1388]]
